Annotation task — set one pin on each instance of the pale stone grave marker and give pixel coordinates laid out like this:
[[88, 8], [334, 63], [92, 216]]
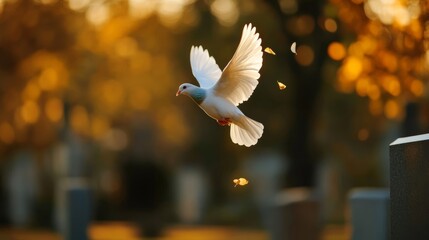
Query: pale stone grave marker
[[370, 213]]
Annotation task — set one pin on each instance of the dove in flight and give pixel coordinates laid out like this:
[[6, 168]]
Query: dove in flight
[[220, 92]]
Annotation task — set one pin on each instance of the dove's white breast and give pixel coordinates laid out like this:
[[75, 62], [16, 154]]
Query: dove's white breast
[[219, 108]]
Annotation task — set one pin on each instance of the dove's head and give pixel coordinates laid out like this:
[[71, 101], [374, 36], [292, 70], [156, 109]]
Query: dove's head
[[186, 89], [196, 93]]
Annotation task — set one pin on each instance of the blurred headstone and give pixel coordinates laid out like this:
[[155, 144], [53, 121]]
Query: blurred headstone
[[75, 201], [297, 215], [331, 190], [191, 194], [409, 187], [370, 214], [265, 170], [146, 188], [70, 161], [21, 185]]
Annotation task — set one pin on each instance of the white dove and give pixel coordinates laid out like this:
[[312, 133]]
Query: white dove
[[220, 92]]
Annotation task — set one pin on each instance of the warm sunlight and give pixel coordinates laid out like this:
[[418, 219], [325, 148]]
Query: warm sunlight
[[212, 119]]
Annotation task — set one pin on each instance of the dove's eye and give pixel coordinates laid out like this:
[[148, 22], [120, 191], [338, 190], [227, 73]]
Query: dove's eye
[[184, 87]]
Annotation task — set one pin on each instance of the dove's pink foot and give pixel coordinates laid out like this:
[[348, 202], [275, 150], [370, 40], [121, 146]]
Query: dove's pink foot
[[224, 122]]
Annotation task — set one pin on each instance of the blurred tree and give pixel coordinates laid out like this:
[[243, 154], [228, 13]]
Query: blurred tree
[[101, 61], [387, 61], [302, 22]]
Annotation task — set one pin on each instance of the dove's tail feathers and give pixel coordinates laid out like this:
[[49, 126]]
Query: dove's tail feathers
[[246, 132]]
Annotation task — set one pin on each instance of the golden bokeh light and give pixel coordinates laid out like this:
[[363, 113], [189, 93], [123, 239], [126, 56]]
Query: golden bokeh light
[[31, 92], [97, 13], [392, 109], [336, 51], [373, 92], [141, 8], [365, 45], [48, 79], [99, 126], [391, 84], [126, 47], [392, 12], [363, 134], [362, 86], [376, 107], [2, 2], [170, 11], [7, 134], [288, 6], [54, 109], [46, 1], [415, 29], [79, 119], [330, 25], [303, 25], [402, 16], [417, 87], [305, 55], [46, 69], [30, 112], [78, 5], [352, 68], [226, 11], [388, 60], [115, 139]]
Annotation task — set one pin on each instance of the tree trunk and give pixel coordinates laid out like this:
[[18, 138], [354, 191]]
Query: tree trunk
[[307, 81]]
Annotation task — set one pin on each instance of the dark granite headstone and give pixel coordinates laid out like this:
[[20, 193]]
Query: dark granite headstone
[[409, 188]]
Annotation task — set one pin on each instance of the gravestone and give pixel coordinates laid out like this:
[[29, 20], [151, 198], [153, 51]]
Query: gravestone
[[21, 184], [297, 215], [191, 194], [75, 204], [409, 187], [265, 169], [370, 213]]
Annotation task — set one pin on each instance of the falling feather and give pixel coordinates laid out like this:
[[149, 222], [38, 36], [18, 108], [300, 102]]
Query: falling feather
[[269, 50], [282, 86], [293, 47]]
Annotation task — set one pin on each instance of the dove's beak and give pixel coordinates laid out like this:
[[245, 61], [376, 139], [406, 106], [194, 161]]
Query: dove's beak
[[178, 93]]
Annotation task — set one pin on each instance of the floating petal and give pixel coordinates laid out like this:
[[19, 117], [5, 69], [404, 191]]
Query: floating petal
[[281, 85], [293, 47], [269, 50], [236, 181], [240, 181]]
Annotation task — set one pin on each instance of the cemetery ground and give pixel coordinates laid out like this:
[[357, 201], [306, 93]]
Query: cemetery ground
[[128, 231]]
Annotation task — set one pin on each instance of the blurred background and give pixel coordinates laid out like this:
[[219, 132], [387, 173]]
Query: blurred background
[[87, 92]]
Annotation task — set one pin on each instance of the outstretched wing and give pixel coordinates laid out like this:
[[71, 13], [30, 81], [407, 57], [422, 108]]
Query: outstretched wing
[[204, 67], [240, 77]]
